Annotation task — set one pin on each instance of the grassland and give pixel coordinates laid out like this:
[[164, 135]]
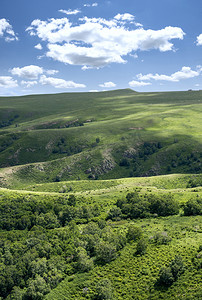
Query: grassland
[[67, 164]]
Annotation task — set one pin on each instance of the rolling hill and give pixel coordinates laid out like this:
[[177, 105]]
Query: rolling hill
[[101, 196], [101, 135]]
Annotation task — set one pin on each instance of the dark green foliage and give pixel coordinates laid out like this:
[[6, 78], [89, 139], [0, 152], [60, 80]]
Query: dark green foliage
[[197, 259], [24, 212], [83, 262], [177, 266], [104, 290], [105, 252], [161, 238], [193, 207], [165, 276], [134, 233], [72, 200], [163, 206], [115, 214], [139, 206], [170, 274], [141, 246], [194, 182]]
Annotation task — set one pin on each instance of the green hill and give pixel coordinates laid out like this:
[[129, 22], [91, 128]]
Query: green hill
[[102, 135], [101, 196]]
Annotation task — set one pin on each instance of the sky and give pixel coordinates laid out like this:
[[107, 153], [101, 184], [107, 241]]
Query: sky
[[49, 46]]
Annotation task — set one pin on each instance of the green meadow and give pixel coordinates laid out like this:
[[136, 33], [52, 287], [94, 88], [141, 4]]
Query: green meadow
[[101, 196]]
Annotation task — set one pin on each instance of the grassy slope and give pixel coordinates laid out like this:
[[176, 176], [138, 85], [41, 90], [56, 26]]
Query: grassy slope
[[134, 277], [123, 120]]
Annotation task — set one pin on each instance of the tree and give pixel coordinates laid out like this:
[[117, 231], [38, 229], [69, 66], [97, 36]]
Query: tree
[[165, 276], [177, 266], [105, 252], [134, 233], [141, 247], [84, 262], [115, 214], [37, 288], [193, 207], [104, 290]]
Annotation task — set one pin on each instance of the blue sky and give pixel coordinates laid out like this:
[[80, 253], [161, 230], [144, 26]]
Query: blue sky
[[51, 46]]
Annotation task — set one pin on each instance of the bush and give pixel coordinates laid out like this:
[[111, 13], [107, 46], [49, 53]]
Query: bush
[[84, 262], [134, 233], [165, 276], [170, 274], [161, 238], [141, 247], [163, 206], [105, 252], [104, 290], [115, 214], [193, 207]]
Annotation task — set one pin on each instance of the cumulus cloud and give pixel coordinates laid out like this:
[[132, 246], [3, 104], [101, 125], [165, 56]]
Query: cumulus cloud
[[6, 31], [96, 42], [59, 83], [38, 46], [199, 40], [124, 17], [28, 84], [70, 12], [108, 84], [29, 72], [135, 83], [184, 73], [7, 82]]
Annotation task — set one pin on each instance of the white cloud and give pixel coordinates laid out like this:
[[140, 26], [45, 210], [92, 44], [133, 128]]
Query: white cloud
[[184, 73], [199, 40], [108, 84], [38, 46], [7, 31], [70, 12], [51, 72], [93, 91], [31, 72], [95, 4], [28, 72], [60, 83], [134, 83], [96, 42], [7, 82], [124, 17], [28, 84]]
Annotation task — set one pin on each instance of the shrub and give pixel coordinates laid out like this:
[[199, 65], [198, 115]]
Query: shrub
[[134, 233], [170, 274], [141, 247], [177, 266], [104, 290], [84, 262], [165, 276], [193, 207], [161, 238], [115, 214], [105, 252]]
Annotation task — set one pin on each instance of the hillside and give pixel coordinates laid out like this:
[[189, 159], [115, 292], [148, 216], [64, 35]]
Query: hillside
[[101, 135], [101, 196]]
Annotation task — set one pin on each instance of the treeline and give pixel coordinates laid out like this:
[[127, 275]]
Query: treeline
[[135, 205], [8, 122], [22, 213]]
